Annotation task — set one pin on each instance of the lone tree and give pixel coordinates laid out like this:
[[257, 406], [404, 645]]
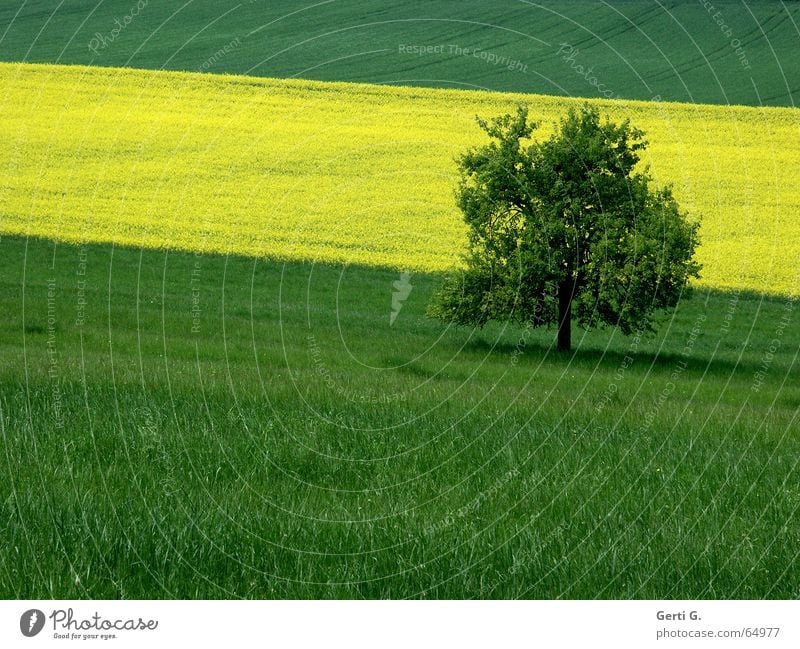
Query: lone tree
[[565, 226]]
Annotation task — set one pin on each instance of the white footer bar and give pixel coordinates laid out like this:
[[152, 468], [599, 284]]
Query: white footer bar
[[390, 624]]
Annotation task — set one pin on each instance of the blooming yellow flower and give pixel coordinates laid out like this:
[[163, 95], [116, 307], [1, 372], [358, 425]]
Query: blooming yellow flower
[[348, 173]]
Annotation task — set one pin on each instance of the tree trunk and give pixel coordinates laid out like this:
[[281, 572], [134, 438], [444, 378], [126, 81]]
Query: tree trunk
[[566, 291]]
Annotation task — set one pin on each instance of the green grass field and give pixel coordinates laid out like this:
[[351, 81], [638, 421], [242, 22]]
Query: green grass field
[[176, 425], [739, 53]]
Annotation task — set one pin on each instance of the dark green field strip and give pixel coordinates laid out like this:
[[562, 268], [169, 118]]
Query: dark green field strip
[[196, 426], [732, 52]]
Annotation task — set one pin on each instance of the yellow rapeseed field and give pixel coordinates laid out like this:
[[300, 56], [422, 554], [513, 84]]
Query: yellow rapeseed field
[[348, 173]]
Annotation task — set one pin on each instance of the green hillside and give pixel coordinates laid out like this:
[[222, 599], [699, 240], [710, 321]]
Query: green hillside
[[682, 50]]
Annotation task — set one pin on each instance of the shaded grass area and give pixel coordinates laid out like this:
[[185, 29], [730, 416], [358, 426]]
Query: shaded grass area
[[735, 53], [177, 425]]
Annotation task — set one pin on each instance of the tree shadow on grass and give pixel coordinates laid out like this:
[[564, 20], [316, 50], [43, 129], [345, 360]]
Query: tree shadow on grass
[[609, 360], [717, 333]]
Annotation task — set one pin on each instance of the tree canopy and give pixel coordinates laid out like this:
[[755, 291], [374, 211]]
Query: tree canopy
[[563, 225]]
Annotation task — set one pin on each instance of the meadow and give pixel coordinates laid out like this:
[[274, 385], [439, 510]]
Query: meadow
[[722, 52], [348, 173], [185, 425]]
